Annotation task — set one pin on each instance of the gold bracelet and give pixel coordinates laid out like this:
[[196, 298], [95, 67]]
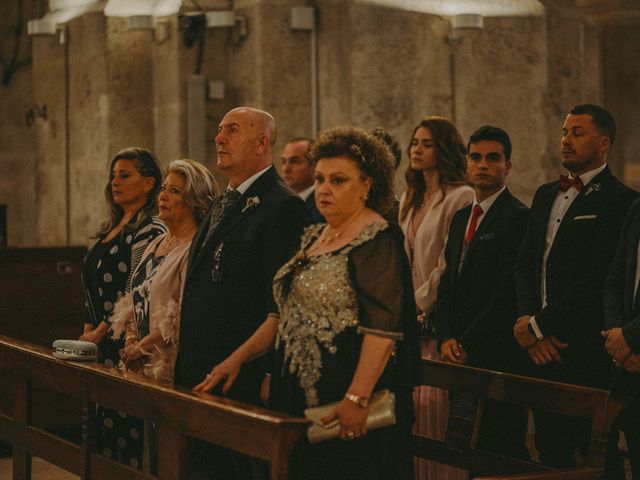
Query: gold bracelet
[[360, 401]]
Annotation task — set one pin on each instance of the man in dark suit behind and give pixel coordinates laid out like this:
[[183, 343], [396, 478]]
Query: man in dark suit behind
[[622, 320], [476, 298], [249, 233], [565, 256], [298, 173]]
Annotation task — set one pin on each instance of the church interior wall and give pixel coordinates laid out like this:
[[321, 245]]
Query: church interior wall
[[108, 87]]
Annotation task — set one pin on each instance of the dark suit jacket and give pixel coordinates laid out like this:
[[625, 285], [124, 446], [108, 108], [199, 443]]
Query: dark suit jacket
[[577, 265], [314, 213], [246, 249], [476, 303], [619, 287]]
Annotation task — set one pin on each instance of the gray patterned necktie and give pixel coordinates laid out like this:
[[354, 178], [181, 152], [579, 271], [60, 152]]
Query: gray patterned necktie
[[226, 202]]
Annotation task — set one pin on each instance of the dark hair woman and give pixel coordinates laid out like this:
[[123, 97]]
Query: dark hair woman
[[131, 193], [436, 190]]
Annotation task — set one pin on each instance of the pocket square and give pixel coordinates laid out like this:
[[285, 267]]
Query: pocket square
[[585, 217], [488, 236]]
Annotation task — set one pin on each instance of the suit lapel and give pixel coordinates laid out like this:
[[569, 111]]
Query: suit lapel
[[487, 221], [456, 235], [236, 214], [540, 220]]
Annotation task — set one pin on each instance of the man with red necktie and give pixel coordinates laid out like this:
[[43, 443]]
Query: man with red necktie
[[476, 300], [565, 256]]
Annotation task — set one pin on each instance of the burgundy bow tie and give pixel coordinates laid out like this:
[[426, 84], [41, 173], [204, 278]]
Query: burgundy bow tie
[[566, 183]]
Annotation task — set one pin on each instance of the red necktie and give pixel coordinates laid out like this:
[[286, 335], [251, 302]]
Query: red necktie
[[566, 183], [475, 213]]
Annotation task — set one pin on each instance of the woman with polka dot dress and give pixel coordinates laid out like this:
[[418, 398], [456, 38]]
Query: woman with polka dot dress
[[134, 181]]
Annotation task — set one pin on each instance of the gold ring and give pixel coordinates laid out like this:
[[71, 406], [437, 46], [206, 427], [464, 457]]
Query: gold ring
[[350, 434]]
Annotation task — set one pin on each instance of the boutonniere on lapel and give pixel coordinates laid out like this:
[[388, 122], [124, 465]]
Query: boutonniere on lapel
[[594, 187], [252, 202]]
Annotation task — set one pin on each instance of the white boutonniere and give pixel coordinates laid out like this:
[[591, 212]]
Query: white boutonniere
[[252, 202], [594, 187]]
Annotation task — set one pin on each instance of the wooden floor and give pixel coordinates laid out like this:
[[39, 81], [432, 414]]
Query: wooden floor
[[41, 471], [45, 471]]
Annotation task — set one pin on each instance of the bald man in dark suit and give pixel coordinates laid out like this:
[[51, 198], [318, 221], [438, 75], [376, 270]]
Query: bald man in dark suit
[[249, 233]]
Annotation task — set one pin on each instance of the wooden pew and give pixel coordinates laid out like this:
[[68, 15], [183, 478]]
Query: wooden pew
[[475, 385], [243, 428], [43, 300], [42, 296]]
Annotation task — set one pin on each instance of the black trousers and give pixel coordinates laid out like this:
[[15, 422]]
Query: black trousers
[[629, 423], [503, 429], [211, 462], [558, 437]]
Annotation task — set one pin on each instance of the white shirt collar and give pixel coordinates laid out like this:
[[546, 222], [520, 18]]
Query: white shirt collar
[[244, 186], [488, 202], [306, 193], [586, 177]]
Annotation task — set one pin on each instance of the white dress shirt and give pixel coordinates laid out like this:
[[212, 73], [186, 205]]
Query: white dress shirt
[[306, 193], [486, 204], [635, 288], [244, 186], [560, 206]]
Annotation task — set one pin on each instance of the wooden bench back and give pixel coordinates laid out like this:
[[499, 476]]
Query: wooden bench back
[[42, 293], [43, 300], [243, 428], [474, 385]]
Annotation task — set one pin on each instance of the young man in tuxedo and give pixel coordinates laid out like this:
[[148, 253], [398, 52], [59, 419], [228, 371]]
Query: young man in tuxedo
[[622, 320], [476, 298], [248, 234], [573, 229], [298, 173]]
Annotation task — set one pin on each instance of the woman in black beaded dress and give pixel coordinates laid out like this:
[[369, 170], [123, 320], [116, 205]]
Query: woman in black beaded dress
[[131, 193], [344, 318]]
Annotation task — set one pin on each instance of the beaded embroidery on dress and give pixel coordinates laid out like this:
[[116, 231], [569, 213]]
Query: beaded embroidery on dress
[[316, 301]]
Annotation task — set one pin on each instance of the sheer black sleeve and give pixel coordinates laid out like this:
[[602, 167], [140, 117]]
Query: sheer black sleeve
[[376, 270]]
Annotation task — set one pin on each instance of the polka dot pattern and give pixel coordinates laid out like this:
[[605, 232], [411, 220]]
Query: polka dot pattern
[[119, 436]]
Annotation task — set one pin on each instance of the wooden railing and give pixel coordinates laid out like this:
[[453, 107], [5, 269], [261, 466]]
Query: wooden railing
[[262, 433], [243, 428], [475, 385]]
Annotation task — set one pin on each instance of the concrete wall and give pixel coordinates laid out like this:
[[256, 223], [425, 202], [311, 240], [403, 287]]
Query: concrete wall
[[18, 145], [621, 83], [108, 87]]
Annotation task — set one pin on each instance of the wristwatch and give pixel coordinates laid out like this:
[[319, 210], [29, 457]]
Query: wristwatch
[[360, 401]]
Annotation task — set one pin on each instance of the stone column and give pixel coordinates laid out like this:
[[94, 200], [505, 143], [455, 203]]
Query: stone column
[[621, 88], [51, 168], [96, 88]]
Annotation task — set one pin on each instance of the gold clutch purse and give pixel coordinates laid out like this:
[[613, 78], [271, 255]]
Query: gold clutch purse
[[382, 413]]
